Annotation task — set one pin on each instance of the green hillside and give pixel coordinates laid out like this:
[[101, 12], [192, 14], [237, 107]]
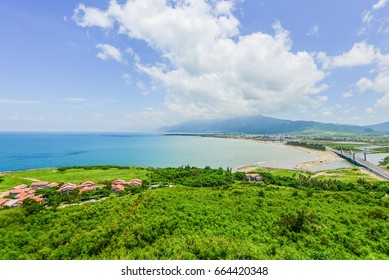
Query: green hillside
[[239, 220]]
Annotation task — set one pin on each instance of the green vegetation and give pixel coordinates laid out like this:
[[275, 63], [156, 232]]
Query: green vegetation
[[313, 146], [292, 216], [385, 161], [195, 177], [72, 174]]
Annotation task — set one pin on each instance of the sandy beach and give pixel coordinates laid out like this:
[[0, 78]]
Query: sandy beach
[[321, 157]]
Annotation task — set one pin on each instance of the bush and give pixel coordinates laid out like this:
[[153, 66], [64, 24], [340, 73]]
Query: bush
[[298, 221], [377, 214], [31, 207]]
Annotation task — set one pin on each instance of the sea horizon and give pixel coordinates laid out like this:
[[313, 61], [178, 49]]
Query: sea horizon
[[36, 150]]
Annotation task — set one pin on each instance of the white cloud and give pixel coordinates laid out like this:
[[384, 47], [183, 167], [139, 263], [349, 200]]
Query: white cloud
[[210, 69], [327, 113], [314, 31], [4, 101], [98, 117], [85, 16], [75, 99], [368, 16], [380, 4], [380, 83], [360, 54], [347, 94], [338, 106], [109, 52], [369, 110], [127, 78]]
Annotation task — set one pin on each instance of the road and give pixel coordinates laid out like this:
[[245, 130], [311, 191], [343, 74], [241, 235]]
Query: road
[[361, 162]]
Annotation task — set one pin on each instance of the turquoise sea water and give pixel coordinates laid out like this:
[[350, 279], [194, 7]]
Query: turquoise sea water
[[20, 151]]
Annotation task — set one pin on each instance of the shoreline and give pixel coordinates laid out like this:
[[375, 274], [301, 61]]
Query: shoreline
[[321, 157]]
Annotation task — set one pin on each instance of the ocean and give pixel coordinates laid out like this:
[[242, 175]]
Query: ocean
[[21, 151]]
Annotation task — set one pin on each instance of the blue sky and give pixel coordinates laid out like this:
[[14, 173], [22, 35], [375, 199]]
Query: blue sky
[[142, 64]]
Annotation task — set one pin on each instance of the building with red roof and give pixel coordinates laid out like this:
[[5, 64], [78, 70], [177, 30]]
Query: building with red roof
[[117, 188], [135, 182]]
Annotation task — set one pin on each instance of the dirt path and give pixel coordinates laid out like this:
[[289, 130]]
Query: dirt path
[[30, 179]]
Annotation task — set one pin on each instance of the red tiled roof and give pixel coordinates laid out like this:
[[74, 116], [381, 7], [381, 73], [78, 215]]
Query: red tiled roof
[[118, 182], [37, 198], [88, 183], [68, 184], [135, 182], [85, 189], [23, 186], [118, 188], [19, 191], [53, 185], [3, 201], [39, 183]]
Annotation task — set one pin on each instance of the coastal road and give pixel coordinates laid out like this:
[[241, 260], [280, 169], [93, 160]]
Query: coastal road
[[361, 162]]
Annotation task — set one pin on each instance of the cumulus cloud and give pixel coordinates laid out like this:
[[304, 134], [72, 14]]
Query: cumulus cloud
[[380, 4], [109, 52], [210, 69], [86, 16], [360, 54], [380, 83]]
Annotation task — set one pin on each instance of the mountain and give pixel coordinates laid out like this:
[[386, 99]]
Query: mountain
[[381, 127], [263, 125]]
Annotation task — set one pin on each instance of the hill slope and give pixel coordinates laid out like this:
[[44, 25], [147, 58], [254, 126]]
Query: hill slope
[[240, 222], [263, 125], [383, 127]]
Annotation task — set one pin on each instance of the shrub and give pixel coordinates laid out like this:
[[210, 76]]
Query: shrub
[[296, 222]]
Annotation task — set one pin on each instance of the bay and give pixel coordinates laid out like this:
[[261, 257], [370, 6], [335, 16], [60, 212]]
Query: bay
[[21, 151]]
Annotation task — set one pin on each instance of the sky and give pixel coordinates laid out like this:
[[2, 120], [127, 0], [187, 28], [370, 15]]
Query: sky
[[138, 65]]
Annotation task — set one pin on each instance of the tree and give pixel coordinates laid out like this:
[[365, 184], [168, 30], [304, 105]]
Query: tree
[[31, 206]]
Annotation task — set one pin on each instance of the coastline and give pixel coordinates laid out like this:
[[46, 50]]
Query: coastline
[[321, 157]]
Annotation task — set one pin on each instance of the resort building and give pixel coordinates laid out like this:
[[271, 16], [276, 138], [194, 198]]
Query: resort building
[[118, 182], [39, 185], [85, 189], [135, 182], [67, 188], [88, 184], [117, 188], [254, 177]]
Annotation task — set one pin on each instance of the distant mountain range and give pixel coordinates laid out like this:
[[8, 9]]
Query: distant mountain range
[[268, 125]]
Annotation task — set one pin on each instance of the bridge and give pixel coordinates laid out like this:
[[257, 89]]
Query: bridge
[[351, 157]]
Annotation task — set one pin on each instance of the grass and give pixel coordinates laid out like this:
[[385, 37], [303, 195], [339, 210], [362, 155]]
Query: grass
[[75, 175], [346, 175], [280, 172]]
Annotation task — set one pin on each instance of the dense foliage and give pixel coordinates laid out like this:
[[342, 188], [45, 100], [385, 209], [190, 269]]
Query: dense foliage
[[195, 177], [313, 146], [240, 222], [307, 182], [288, 217], [385, 161]]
